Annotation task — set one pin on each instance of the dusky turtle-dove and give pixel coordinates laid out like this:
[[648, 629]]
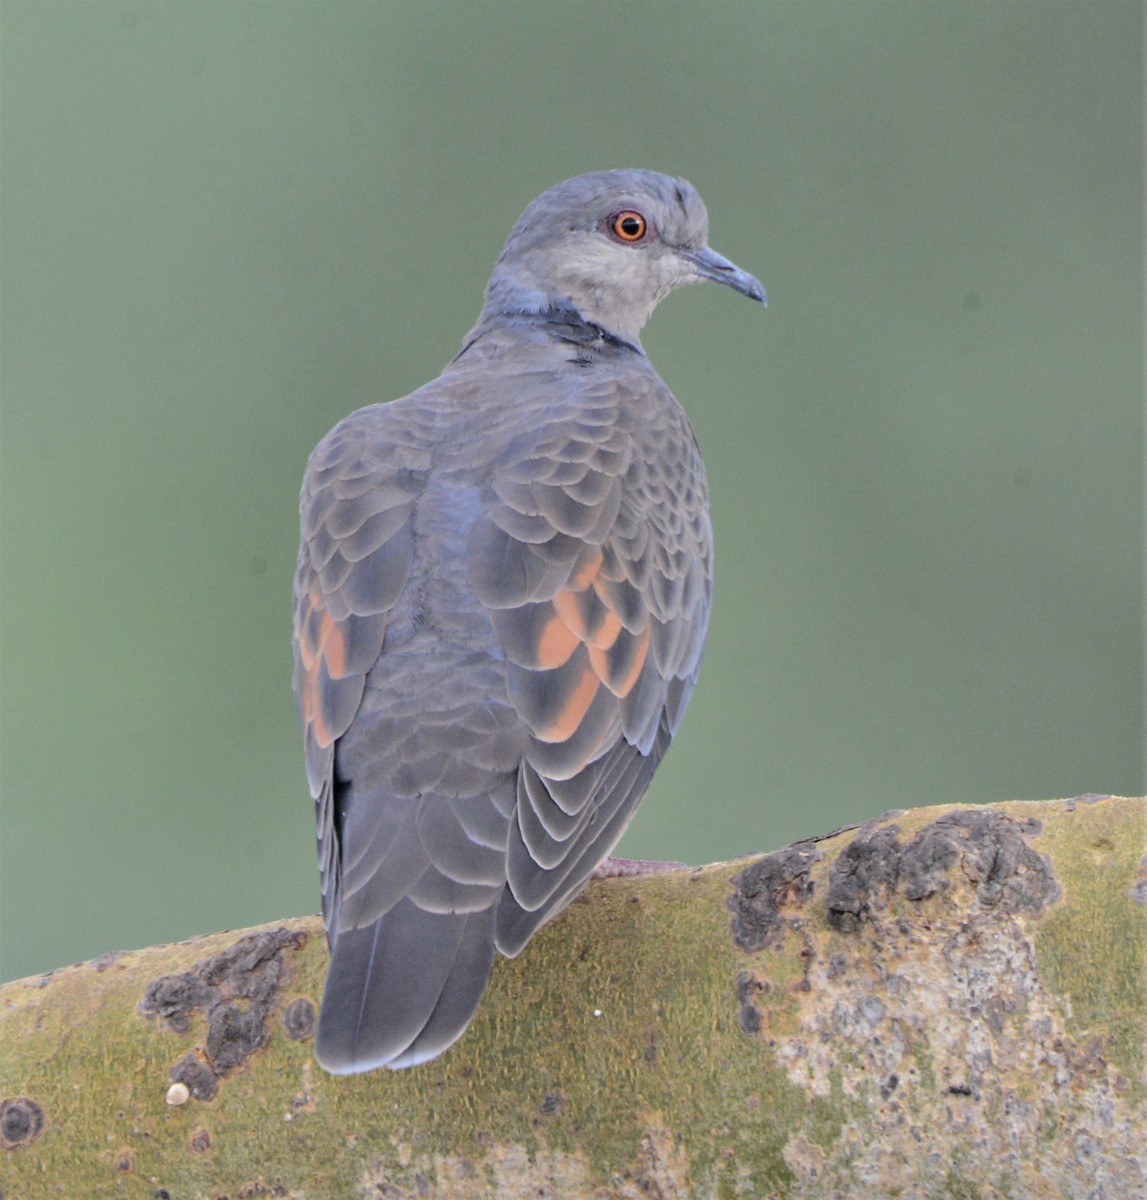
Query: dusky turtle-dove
[[501, 599]]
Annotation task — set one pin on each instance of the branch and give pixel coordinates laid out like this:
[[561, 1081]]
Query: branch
[[941, 1002]]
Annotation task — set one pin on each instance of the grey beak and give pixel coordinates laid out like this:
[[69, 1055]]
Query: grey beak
[[711, 265]]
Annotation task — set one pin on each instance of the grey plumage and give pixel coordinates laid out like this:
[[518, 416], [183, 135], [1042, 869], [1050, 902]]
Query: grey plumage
[[501, 599]]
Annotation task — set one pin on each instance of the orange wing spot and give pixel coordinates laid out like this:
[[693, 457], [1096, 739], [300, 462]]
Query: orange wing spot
[[307, 639], [570, 604], [606, 671], [327, 646], [565, 723], [606, 633], [319, 727], [567, 607], [334, 647], [311, 709], [556, 644], [586, 573]]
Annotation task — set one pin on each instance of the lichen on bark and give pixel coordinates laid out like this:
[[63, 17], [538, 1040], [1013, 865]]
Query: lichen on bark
[[939, 1002]]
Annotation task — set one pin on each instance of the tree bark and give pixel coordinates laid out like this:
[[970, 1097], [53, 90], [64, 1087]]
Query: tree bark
[[946, 1002]]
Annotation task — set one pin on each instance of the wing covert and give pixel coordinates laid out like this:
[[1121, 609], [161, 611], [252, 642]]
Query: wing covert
[[354, 560], [592, 555]]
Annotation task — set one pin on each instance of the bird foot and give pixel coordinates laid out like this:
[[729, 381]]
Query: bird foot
[[627, 868]]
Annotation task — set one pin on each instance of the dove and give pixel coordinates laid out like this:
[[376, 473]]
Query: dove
[[501, 600]]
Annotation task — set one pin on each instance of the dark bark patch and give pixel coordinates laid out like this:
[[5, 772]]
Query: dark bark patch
[[21, 1122], [196, 1075], [863, 876], [749, 1019], [236, 990], [748, 987], [987, 847], [299, 1019], [765, 891], [173, 998]]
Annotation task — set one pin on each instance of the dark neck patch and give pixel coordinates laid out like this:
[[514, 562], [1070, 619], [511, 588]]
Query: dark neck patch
[[565, 324]]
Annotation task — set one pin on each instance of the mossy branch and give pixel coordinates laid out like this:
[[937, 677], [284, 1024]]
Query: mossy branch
[[942, 1002]]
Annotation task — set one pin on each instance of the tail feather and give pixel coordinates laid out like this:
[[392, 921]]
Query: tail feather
[[399, 991], [460, 996]]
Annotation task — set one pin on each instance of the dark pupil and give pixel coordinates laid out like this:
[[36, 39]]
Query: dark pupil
[[630, 226]]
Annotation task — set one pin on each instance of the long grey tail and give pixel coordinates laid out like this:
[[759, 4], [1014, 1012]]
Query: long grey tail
[[401, 990]]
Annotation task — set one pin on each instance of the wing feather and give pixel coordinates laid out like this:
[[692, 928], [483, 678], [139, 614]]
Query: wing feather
[[593, 558], [354, 560]]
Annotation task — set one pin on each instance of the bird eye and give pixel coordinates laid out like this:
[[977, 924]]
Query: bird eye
[[628, 226]]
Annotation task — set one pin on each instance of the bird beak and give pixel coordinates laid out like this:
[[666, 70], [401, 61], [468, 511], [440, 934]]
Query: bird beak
[[711, 265]]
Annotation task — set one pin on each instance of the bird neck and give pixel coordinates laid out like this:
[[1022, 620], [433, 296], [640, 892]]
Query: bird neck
[[536, 285], [549, 319]]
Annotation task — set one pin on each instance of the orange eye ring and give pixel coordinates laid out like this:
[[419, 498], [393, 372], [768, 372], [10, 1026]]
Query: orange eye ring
[[628, 226]]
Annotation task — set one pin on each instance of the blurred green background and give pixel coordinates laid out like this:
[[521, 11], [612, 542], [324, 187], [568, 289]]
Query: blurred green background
[[225, 225]]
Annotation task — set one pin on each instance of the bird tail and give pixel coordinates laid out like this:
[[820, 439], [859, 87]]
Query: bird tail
[[401, 990]]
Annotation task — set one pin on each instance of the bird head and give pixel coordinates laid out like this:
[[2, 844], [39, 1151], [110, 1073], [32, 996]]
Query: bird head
[[611, 245]]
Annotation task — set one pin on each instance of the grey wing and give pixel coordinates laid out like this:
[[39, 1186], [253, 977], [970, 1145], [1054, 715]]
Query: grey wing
[[594, 559], [354, 560]]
